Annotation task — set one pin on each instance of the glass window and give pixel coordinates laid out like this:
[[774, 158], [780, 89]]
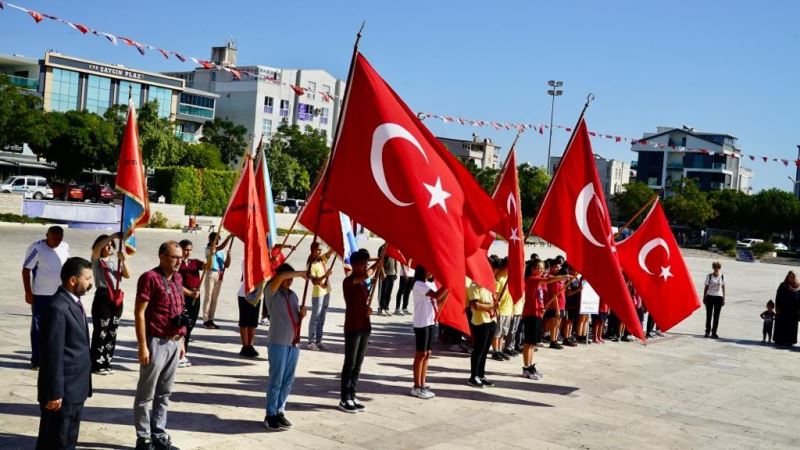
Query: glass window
[[64, 90], [326, 89], [135, 90], [312, 87], [284, 112], [164, 98], [98, 94], [266, 128], [323, 116], [268, 103], [305, 112]]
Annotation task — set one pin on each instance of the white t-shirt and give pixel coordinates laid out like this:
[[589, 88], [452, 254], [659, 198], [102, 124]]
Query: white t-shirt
[[424, 311], [715, 284], [45, 263], [406, 271]]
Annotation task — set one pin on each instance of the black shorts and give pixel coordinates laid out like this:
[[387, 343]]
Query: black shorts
[[248, 314], [424, 337], [573, 314], [600, 317], [531, 329], [552, 314]]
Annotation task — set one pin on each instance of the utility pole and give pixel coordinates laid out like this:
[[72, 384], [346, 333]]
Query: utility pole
[[554, 92]]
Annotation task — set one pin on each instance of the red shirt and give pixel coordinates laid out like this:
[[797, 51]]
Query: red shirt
[[277, 257], [356, 315], [190, 273], [603, 307], [557, 288], [534, 297], [164, 301]]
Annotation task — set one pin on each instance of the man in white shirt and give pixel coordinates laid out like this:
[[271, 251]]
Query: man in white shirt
[[41, 277]]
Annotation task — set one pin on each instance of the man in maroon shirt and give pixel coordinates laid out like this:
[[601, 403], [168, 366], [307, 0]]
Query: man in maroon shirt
[[160, 327], [190, 274], [357, 328]]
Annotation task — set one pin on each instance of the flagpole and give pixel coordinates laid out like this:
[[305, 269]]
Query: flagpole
[[324, 179], [122, 209], [322, 169], [647, 205]]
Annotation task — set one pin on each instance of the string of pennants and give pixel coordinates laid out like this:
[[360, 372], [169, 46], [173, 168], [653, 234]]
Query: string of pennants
[[239, 74], [540, 127], [141, 47]]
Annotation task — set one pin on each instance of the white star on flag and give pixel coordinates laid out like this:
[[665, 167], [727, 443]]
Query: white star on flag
[[514, 234], [438, 195], [665, 273]]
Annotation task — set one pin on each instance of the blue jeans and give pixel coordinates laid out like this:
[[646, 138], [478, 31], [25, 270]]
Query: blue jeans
[[282, 364], [319, 307], [39, 303]]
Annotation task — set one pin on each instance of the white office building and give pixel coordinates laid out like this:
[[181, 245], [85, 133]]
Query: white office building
[[482, 152], [614, 174]]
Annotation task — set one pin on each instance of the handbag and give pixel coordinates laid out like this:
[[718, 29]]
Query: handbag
[[116, 295]]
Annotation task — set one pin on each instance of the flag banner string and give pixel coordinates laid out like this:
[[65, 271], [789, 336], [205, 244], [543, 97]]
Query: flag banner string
[[241, 74], [236, 73], [541, 127]]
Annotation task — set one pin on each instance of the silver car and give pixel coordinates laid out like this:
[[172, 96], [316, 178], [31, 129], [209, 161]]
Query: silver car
[[30, 186]]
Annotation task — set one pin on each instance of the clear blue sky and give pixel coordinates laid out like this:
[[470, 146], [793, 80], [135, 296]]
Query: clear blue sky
[[723, 66]]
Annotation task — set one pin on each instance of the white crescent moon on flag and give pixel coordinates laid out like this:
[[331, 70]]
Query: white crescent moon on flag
[[511, 204], [382, 134], [585, 199], [647, 248]]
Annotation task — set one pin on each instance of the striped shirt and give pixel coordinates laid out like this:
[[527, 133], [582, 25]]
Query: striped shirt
[[45, 264]]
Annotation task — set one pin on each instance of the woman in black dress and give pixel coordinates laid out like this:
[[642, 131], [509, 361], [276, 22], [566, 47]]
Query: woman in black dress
[[786, 308]]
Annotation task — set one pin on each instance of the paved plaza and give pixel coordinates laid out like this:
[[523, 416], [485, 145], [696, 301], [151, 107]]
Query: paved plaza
[[681, 391]]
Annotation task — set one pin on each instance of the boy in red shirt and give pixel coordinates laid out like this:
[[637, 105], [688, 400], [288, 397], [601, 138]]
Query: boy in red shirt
[[536, 283]]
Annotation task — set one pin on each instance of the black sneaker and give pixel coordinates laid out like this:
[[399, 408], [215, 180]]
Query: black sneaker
[[208, 324], [283, 422], [556, 345], [505, 356], [164, 443], [626, 339], [497, 356], [486, 382], [476, 383], [271, 423], [144, 444], [348, 407], [706, 335], [714, 336], [359, 406], [569, 343], [213, 325]]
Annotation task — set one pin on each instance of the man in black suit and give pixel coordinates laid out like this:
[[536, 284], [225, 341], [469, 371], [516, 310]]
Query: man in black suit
[[65, 365]]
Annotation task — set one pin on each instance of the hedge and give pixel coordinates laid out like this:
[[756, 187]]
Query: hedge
[[204, 192]]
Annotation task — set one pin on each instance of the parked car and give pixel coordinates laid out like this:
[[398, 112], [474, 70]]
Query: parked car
[[30, 186], [781, 247], [292, 205], [748, 243], [98, 193], [74, 192]]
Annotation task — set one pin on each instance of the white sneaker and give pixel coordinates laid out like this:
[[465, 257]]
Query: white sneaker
[[312, 346], [415, 392], [427, 394], [264, 321], [184, 363], [397, 312], [406, 312], [321, 346]]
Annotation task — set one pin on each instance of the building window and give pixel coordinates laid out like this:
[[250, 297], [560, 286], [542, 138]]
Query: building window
[[64, 90], [284, 112], [266, 128], [312, 88], [98, 94], [323, 115], [305, 112], [213, 76], [268, 102], [326, 89], [135, 90], [164, 98]]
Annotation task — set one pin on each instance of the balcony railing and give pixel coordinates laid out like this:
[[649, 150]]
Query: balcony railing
[[188, 137], [674, 165], [190, 110], [24, 83], [717, 186], [718, 166]]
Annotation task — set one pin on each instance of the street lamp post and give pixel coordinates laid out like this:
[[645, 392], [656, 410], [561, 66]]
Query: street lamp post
[[552, 92]]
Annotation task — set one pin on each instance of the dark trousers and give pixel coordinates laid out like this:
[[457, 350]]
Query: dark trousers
[[403, 292], [386, 291], [651, 323], [39, 303], [713, 307], [355, 345], [105, 321], [482, 338], [59, 429], [192, 305]]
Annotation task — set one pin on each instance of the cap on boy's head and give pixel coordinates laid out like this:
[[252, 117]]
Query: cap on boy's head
[[359, 257]]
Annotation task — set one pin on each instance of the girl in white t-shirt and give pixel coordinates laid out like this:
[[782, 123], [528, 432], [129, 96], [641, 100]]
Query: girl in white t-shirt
[[427, 300], [714, 298]]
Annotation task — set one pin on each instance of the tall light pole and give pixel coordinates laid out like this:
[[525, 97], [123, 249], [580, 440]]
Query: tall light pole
[[552, 92]]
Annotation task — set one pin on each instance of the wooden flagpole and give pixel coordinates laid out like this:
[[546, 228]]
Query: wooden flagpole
[[644, 207]]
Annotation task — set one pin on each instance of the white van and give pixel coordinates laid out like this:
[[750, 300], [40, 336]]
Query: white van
[[30, 186]]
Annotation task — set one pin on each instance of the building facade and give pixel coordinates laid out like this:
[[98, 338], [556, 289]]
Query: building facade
[[713, 160], [261, 100], [614, 174], [67, 83], [480, 151]]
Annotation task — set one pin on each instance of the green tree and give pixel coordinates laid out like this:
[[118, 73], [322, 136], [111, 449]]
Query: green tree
[[631, 199], [78, 141], [160, 145], [229, 138], [286, 174], [688, 205], [308, 148], [21, 118], [533, 183], [773, 211], [202, 156], [734, 209]]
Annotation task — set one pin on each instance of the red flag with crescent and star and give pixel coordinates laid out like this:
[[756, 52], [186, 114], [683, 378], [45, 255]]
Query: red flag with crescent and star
[[390, 174], [574, 217], [506, 197], [652, 260]]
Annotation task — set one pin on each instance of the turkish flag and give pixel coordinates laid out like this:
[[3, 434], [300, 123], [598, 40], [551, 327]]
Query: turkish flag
[[244, 219], [653, 262], [506, 197], [390, 174], [397, 255], [323, 220], [574, 217], [478, 268]]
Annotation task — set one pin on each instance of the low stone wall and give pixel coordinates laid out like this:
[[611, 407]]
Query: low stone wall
[[175, 214], [11, 203]]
